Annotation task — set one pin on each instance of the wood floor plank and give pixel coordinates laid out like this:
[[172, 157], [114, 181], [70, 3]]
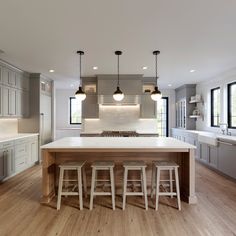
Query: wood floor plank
[[21, 213]]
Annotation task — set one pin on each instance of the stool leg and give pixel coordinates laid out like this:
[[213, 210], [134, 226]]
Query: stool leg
[[95, 182], [112, 188], [177, 187], [80, 188], [157, 187], [61, 175], [92, 188], [125, 187], [84, 182], [171, 183], [142, 185], [145, 187], [66, 185], [153, 180]]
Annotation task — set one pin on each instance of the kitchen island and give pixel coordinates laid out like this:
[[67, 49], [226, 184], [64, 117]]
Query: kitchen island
[[118, 149]]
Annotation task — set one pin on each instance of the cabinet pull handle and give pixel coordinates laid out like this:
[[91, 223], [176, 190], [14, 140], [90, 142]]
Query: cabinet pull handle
[[230, 144]]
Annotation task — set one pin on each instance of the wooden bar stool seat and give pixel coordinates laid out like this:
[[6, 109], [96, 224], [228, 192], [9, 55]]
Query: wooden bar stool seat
[[170, 166], [68, 166], [102, 165], [135, 165]]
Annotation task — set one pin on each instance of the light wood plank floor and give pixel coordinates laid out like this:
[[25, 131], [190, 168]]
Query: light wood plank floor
[[21, 213]]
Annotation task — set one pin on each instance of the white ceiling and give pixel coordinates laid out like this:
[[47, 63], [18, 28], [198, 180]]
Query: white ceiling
[[41, 35]]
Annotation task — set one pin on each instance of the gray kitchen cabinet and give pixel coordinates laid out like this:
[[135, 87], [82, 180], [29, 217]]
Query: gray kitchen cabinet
[[1, 75], [227, 158], [9, 101], [213, 156], [147, 107], [10, 161], [9, 77], [1, 102], [22, 106], [22, 82], [204, 152], [90, 107], [3, 168], [33, 151]]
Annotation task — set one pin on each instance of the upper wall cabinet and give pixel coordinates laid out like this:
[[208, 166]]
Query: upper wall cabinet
[[14, 93]]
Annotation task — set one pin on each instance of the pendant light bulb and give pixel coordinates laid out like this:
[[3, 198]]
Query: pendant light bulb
[[80, 94], [118, 94], [156, 94]]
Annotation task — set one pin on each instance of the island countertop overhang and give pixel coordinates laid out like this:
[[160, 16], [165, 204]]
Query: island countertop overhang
[[119, 144]]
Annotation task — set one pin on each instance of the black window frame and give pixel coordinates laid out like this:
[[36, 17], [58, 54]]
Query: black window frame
[[71, 98], [212, 107], [167, 115], [229, 112]]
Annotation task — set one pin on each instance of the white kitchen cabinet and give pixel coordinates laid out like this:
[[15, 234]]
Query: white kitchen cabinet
[[3, 160], [1, 75], [33, 151], [22, 82]]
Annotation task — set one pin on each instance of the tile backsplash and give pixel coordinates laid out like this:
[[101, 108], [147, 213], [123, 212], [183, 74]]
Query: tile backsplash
[[120, 118], [8, 127]]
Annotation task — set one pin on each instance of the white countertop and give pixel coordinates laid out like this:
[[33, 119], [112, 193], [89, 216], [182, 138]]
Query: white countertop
[[120, 142], [11, 137]]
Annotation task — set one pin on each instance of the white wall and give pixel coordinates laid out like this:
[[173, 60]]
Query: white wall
[[8, 127], [204, 89], [62, 111]]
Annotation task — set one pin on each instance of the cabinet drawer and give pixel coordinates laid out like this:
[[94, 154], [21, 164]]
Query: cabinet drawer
[[6, 145], [20, 163], [21, 150], [21, 141]]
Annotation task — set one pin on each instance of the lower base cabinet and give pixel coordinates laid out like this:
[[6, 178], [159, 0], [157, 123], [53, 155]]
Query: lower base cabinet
[[227, 159], [18, 155]]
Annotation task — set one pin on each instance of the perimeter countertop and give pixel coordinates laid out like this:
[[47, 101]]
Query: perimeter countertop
[[121, 142], [11, 137]]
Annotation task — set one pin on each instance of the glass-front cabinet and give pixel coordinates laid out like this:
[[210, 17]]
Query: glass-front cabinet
[[181, 114]]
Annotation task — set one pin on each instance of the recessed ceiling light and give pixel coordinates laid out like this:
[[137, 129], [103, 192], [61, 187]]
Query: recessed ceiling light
[[191, 71], [144, 67], [95, 67], [169, 85], [51, 71]]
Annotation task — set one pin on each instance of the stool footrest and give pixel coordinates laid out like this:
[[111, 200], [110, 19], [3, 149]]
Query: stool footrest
[[166, 194], [102, 193], [69, 193], [134, 194]]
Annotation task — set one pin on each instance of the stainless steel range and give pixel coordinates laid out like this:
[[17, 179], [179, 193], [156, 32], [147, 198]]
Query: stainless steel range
[[119, 134]]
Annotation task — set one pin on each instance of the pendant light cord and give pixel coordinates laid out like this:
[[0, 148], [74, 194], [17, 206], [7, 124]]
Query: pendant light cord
[[79, 69], [118, 67], [156, 70]]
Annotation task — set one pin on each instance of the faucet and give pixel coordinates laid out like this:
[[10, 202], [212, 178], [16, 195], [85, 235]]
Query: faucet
[[224, 129]]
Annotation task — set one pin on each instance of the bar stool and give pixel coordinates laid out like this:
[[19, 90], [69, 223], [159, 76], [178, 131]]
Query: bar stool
[[170, 166], [102, 165], [135, 165], [68, 166]]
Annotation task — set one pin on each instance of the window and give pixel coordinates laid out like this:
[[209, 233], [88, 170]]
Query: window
[[75, 111], [215, 107], [232, 105], [162, 117]]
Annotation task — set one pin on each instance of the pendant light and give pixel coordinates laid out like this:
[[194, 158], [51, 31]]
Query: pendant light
[[80, 94], [156, 94], [118, 95]]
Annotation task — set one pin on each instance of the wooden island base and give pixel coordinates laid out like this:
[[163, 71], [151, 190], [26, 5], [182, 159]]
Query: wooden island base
[[52, 158]]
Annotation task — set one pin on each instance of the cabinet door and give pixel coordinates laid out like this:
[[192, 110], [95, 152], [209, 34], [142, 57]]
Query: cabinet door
[[5, 76], [1, 74], [90, 107], [34, 151], [5, 101], [22, 105], [10, 161], [227, 159], [204, 151], [3, 163], [148, 107], [12, 102], [1, 103], [9, 101], [213, 156], [12, 79]]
